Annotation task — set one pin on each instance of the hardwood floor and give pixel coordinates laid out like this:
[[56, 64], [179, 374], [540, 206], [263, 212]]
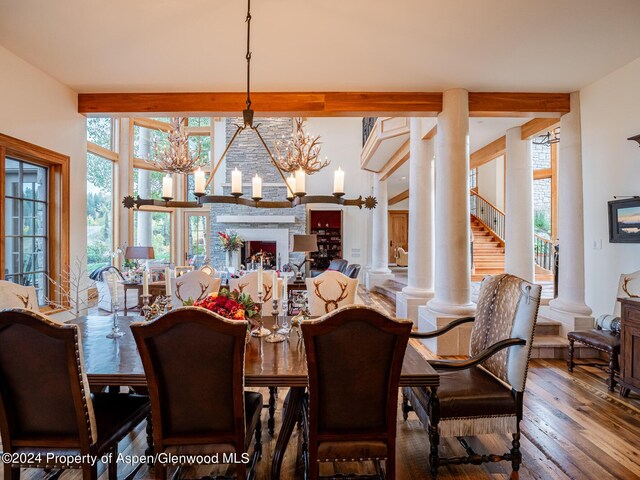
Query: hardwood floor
[[573, 428]]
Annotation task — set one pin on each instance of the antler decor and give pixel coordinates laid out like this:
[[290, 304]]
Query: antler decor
[[177, 157], [302, 151], [203, 291], [330, 305], [25, 299], [625, 288]]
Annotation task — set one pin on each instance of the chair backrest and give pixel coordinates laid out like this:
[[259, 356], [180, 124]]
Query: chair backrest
[[194, 363], [13, 295], [628, 287], [195, 285], [354, 359], [338, 265], [352, 270], [180, 270], [329, 291], [44, 393], [249, 284], [209, 270], [507, 308]]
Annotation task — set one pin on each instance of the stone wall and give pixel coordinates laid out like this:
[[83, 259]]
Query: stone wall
[[248, 155], [541, 157]]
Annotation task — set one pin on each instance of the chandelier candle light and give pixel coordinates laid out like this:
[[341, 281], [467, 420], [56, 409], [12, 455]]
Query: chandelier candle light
[[299, 156]]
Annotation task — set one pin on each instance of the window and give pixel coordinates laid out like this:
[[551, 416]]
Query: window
[[99, 211], [473, 179], [153, 227], [34, 231]]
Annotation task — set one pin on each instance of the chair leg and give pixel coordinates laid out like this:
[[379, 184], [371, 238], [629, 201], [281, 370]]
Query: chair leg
[[515, 451], [570, 359], [390, 466], [11, 473], [258, 445], [241, 471], [160, 471], [611, 382], [89, 472], [405, 406], [273, 397], [113, 464]]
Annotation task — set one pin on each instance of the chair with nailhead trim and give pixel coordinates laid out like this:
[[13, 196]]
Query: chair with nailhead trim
[[45, 404]]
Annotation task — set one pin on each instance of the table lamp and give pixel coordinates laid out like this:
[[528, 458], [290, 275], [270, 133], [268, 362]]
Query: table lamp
[[304, 244], [139, 253]]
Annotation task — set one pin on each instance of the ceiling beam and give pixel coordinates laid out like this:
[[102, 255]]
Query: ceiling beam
[[396, 161], [489, 152], [431, 133], [400, 197], [538, 126], [317, 104]]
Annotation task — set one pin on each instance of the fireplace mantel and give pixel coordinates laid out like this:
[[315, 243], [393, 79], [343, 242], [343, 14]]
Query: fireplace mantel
[[256, 219]]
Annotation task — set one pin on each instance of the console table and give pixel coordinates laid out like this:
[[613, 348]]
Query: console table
[[630, 346]]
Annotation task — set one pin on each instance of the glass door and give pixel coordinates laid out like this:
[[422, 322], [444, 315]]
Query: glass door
[[197, 238]]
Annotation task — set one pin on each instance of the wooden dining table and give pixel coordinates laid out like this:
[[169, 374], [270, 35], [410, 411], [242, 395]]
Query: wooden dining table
[[116, 362]]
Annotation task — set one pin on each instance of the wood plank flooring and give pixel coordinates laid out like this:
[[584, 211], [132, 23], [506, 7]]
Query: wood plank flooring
[[573, 429]]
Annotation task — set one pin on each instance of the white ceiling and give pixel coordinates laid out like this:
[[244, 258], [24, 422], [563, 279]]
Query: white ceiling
[[366, 45]]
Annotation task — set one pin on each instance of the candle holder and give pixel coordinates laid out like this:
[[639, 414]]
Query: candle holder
[[261, 331], [115, 329], [256, 199], [300, 194], [236, 194], [167, 199], [338, 194], [275, 336], [146, 308]]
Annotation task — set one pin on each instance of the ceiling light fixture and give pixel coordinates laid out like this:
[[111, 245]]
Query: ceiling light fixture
[[301, 151], [295, 183], [548, 138], [177, 157]]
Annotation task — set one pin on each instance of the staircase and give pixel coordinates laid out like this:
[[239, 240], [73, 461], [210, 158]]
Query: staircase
[[488, 251]]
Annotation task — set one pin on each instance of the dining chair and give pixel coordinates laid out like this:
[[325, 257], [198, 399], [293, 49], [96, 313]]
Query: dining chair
[[194, 363], [14, 295], [482, 394], [249, 284], [354, 360], [46, 409], [329, 291], [194, 285]]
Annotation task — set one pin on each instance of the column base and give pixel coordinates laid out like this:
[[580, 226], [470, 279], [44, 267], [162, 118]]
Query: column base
[[454, 342], [569, 321], [407, 302], [374, 278]]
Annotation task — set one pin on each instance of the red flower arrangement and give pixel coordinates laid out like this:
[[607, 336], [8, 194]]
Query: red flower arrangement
[[232, 305]]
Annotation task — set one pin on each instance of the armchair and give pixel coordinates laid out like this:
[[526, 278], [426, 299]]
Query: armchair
[[482, 394], [402, 257]]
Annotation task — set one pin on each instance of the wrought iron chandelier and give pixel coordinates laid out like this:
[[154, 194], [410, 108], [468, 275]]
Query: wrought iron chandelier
[[300, 151], [548, 138], [295, 183]]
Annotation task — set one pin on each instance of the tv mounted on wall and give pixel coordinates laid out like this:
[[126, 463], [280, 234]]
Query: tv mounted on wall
[[624, 220]]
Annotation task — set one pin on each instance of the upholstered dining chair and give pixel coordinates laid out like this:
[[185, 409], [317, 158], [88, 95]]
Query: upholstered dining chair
[[483, 394], [194, 363], [249, 284], [354, 358], [45, 404], [13, 295], [195, 285], [330, 291], [352, 270]]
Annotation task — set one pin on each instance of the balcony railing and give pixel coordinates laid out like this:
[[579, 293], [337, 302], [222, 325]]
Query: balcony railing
[[543, 252], [489, 214], [367, 127]]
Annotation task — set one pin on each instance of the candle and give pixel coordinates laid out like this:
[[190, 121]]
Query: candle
[[300, 181], [291, 186], [274, 286], [260, 274], [145, 283], [167, 186], [167, 281], [114, 280], [338, 181], [257, 187], [236, 181], [199, 180]]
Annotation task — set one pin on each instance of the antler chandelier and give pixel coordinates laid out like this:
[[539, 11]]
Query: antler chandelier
[[177, 157], [295, 183], [301, 151]]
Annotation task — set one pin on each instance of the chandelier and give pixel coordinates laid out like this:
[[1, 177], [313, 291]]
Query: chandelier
[[302, 151], [548, 138], [177, 157], [295, 183]]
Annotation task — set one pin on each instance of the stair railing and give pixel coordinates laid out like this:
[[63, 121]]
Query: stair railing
[[492, 217], [543, 252]]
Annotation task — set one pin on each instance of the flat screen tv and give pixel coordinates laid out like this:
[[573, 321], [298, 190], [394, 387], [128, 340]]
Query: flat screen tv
[[624, 220]]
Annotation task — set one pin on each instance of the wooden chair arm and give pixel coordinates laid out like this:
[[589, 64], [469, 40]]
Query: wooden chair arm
[[481, 357], [445, 329]]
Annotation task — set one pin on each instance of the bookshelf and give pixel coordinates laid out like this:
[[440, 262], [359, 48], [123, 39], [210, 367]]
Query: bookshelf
[[327, 225]]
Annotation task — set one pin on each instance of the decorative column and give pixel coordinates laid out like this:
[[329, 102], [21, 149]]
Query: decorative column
[[452, 231], [122, 185], [143, 235], [421, 225], [518, 259], [569, 307], [379, 272]]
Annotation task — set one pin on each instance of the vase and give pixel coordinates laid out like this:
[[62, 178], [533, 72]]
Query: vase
[[233, 261]]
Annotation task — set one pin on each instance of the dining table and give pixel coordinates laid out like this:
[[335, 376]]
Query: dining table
[[116, 363]]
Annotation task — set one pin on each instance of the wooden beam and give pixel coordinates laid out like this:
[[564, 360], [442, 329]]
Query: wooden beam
[[396, 161], [538, 126], [102, 152], [431, 133], [318, 104], [488, 152], [542, 173], [199, 131], [512, 104], [152, 124], [400, 197]]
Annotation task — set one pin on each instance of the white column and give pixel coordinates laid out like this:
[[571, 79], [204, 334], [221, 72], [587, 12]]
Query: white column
[[452, 237], [570, 307], [123, 178], [143, 234], [421, 225], [379, 272], [518, 258]]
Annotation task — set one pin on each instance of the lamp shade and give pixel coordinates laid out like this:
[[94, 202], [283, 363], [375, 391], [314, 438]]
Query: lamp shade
[[139, 253], [305, 243]]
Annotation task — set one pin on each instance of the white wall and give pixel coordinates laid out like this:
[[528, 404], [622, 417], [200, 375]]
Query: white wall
[[611, 166], [491, 182], [403, 205], [342, 143], [38, 109]]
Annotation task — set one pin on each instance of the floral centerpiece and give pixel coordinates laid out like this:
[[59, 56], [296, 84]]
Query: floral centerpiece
[[230, 242], [232, 305]]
